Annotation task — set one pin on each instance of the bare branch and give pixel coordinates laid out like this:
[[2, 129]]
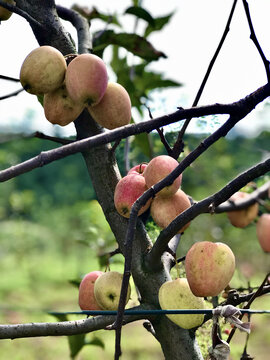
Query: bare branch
[[15, 93], [81, 25], [8, 78], [177, 147], [64, 328], [239, 109]]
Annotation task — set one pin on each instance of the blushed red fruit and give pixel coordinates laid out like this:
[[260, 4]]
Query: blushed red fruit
[[86, 79], [5, 14], [87, 299], [137, 169], [157, 169], [209, 267], [242, 218], [43, 70], [165, 209], [59, 108], [127, 191], [263, 231], [114, 109]]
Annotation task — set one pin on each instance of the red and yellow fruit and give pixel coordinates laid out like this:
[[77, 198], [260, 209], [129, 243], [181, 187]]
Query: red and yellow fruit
[[43, 70], [86, 79], [87, 299], [114, 109], [209, 267], [242, 218], [263, 232]]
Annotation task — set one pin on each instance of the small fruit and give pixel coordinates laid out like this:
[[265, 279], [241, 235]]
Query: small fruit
[[87, 299], [242, 218], [176, 294], [107, 290], [59, 108], [5, 14], [157, 169], [114, 109], [127, 191], [165, 209], [209, 267], [137, 169], [43, 70], [86, 79], [263, 232]]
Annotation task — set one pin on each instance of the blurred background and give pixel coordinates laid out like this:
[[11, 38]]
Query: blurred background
[[51, 235]]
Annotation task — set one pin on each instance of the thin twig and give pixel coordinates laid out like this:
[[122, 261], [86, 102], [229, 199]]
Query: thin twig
[[253, 37], [3, 77], [178, 147], [15, 93]]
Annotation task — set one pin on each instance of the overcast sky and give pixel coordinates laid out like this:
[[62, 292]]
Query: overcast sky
[[189, 41]]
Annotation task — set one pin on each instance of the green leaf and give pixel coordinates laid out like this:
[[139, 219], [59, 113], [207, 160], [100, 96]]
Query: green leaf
[[141, 13], [96, 341], [142, 141], [133, 43], [75, 282], [76, 343], [93, 13], [158, 24]]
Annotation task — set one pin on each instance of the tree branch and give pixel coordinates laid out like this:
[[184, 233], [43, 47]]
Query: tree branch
[[64, 328], [207, 205], [81, 25], [239, 109], [14, 93]]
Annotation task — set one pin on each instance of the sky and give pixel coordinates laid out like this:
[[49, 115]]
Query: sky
[[189, 41]]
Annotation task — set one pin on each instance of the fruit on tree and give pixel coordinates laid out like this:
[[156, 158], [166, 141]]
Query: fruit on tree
[[86, 79], [43, 70], [176, 294], [127, 191], [263, 231], [87, 299], [209, 267], [107, 290], [242, 218], [59, 108], [114, 109], [157, 169], [137, 169], [165, 209], [5, 14]]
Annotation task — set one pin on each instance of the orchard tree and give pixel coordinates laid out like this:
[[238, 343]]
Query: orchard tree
[[95, 105]]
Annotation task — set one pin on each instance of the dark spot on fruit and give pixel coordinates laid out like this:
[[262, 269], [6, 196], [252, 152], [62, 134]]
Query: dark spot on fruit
[[111, 297]]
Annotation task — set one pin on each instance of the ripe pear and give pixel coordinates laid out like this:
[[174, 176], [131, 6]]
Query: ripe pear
[[176, 294], [242, 218], [43, 70], [157, 169], [5, 14], [107, 290], [87, 299], [263, 231], [209, 267], [165, 209], [127, 191], [59, 108], [86, 79], [114, 109]]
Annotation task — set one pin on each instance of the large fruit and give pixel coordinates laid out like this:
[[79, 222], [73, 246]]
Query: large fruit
[[59, 108], [242, 218], [43, 70], [5, 14], [209, 267], [87, 299], [107, 290], [263, 231], [165, 209], [86, 79], [114, 109], [176, 294], [157, 169], [127, 191]]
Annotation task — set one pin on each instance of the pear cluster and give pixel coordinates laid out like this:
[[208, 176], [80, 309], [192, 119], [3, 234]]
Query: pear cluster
[[167, 204], [72, 83], [100, 290]]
